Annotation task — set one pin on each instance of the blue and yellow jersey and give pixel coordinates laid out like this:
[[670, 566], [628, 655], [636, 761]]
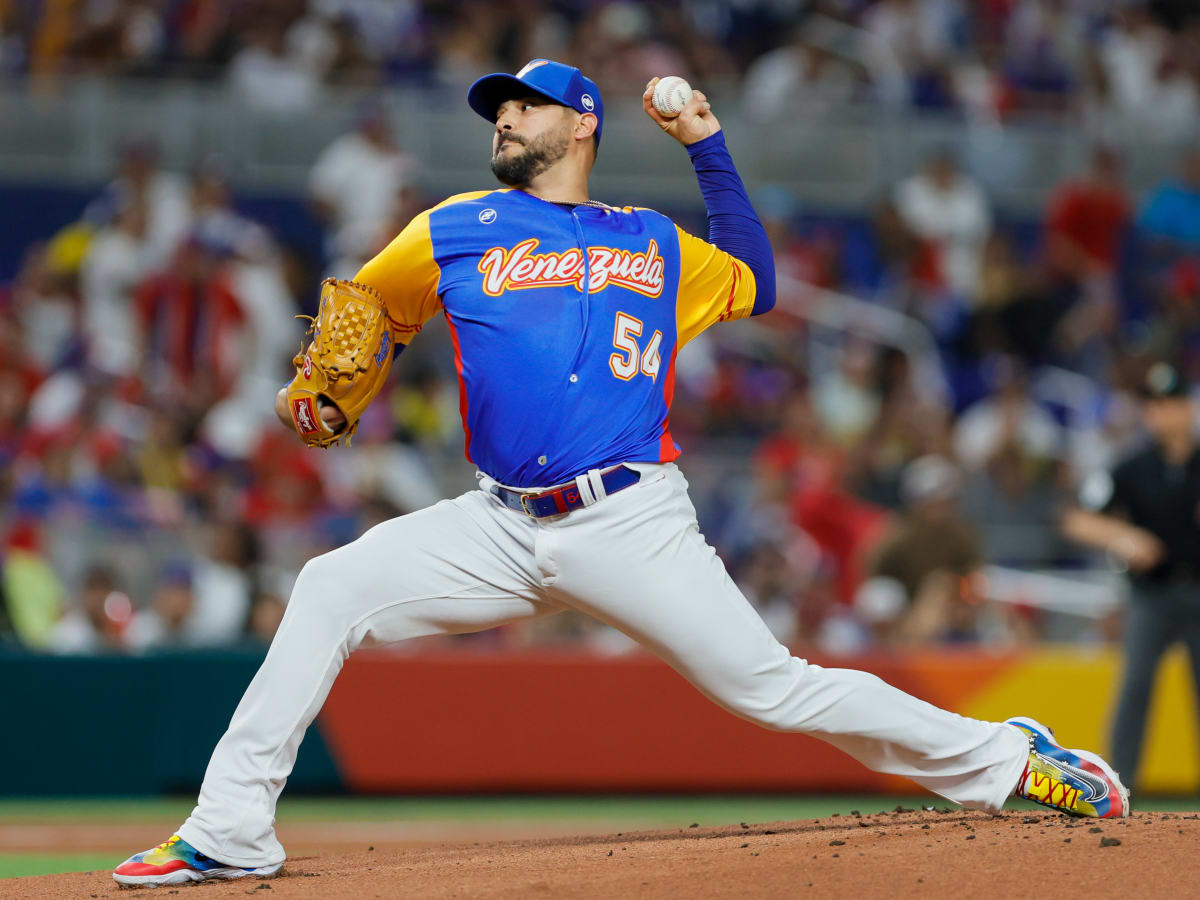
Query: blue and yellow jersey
[[565, 322]]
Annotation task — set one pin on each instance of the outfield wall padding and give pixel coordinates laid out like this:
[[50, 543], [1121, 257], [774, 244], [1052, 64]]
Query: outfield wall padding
[[100, 725], [537, 721]]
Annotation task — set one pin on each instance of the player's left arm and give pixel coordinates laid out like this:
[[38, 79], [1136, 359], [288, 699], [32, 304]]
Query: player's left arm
[[370, 320], [733, 225]]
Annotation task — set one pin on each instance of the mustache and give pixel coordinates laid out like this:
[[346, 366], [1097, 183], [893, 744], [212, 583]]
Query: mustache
[[511, 139]]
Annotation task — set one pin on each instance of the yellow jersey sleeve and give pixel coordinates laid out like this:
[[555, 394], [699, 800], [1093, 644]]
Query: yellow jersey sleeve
[[713, 287], [406, 276]]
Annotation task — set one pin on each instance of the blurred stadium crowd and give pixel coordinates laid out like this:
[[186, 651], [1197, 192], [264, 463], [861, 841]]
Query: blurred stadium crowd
[[855, 486], [985, 59]]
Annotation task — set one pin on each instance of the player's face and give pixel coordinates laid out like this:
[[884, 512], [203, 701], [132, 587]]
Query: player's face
[[532, 134]]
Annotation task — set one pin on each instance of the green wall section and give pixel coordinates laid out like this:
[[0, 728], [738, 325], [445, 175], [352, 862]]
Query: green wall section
[[119, 725]]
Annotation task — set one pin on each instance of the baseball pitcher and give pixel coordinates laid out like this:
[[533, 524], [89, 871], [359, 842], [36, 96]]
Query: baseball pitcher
[[566, 316]]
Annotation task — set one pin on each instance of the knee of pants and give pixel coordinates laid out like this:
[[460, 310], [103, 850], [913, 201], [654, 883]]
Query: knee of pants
[[772, 718], [317, 589], [770, 698], [331, 598]]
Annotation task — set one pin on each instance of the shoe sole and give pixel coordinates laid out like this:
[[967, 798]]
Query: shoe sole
[[186, 876], [1096, 760]]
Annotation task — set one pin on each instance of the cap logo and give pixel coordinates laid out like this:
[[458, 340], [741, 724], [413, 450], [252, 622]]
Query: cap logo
[[487, 216], [588, 103], [530, 66]]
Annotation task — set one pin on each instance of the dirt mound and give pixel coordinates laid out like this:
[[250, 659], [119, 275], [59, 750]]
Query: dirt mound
[[901, 853]]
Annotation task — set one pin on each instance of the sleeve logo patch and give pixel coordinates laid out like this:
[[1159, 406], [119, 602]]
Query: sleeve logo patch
[[519, 268], [384, 346], [305, 415]]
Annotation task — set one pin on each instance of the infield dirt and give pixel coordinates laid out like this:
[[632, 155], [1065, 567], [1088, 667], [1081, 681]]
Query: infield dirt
[[902, 853]]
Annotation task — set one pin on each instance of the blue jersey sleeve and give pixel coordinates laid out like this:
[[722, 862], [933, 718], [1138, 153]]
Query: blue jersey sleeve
[[733, 225]]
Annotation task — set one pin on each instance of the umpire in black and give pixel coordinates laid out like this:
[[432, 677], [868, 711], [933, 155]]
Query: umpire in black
[[1146, 517]]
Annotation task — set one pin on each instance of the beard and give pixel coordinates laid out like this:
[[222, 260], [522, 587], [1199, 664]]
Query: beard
[[518, 169]]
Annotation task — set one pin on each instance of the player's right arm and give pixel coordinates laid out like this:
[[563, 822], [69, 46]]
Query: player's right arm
[[1097, 521], [733, 225], [1136, 547], [406, 276]]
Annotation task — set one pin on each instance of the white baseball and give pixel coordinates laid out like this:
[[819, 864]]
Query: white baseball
[[671, 95]]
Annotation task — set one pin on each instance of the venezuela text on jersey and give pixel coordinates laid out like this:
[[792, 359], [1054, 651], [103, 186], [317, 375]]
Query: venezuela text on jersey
[[517, 268]]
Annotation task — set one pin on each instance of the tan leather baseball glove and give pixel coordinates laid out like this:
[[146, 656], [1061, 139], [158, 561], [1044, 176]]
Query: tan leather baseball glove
[[345, 365]]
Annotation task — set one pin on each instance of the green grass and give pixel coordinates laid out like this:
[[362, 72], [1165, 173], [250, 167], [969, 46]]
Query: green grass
[[638, 809], [19, 865], [631, 812]]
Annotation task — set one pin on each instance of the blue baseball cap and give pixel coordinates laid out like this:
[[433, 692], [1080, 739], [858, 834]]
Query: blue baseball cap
[[556, 81]]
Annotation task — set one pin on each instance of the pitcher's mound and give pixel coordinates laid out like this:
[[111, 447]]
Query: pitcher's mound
[[899, 853]]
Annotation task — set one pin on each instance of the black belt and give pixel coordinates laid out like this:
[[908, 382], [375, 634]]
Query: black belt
[[558, 500]]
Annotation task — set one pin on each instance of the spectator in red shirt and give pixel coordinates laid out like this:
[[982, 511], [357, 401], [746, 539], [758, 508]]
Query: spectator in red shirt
[[802, 464], [192, 323], [1086, 219]]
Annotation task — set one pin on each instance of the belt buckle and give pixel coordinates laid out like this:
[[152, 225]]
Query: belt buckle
[[525, 506]]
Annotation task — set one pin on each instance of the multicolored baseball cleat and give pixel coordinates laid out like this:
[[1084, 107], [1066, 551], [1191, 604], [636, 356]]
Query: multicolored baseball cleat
[[175, 861], [1076, 782]]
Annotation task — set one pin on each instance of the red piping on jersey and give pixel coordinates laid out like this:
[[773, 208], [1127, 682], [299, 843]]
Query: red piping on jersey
[[728, 313], [667, 451], [462, 386], [403, 328]]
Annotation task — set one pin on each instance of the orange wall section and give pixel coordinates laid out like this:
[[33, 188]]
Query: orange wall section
[[545, 721]]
